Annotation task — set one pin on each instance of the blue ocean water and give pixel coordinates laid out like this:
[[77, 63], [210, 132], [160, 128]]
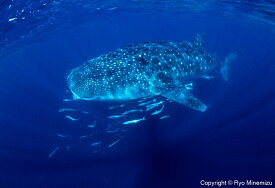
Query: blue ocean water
[[41, 41]]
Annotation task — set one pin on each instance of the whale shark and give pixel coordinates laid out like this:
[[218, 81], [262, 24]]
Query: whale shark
[[147, 69]]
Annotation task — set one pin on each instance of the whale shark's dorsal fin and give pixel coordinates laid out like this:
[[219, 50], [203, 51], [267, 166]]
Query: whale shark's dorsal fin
[[199, 40], [183, 96]]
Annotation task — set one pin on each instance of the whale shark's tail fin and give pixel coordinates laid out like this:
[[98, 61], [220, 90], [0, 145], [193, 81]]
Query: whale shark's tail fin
[[183, 96], [225, 65]]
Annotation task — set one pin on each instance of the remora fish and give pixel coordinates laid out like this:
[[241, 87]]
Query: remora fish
[[146, 69]]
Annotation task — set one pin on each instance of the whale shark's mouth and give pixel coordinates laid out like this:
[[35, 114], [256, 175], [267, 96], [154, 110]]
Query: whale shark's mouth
[[75, 96]]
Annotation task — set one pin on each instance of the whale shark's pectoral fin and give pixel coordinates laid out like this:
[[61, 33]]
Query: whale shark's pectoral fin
[[183, 96]]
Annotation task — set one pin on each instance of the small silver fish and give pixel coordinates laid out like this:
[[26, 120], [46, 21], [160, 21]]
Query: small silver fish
[[114, 143], [95, 143], [130, 111], [158, 111], [53, 152], [115, 116], [148, 102], [163, 117], [66, 109], [92, 125], [62, 136], [151, 106], [71, 118], [133, 121]]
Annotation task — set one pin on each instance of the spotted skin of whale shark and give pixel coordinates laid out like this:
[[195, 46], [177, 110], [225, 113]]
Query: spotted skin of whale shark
[[146, 69]]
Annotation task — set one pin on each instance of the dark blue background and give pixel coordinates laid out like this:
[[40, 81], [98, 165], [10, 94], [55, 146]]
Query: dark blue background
[[233, 139]]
